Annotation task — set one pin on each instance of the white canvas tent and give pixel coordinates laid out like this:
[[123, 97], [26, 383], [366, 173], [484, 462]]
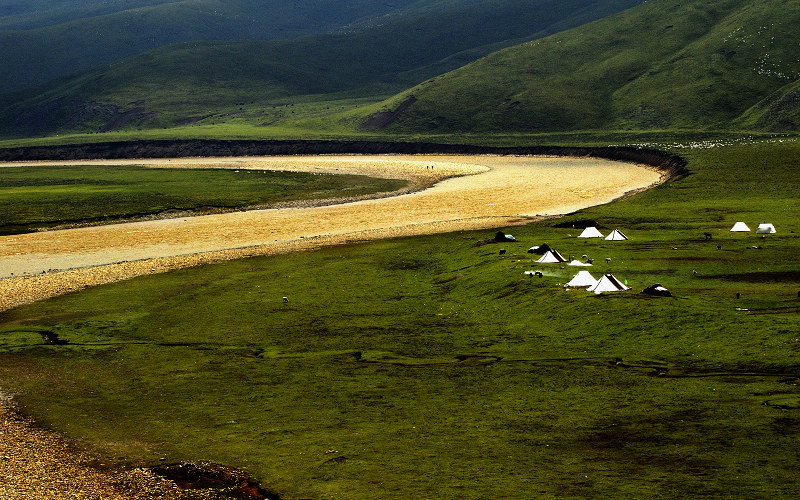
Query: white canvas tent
[[765, 229], [582, 280], [608, 283], [740, 227], [590, 232], [578, 263], [551, 257], [616, 235]]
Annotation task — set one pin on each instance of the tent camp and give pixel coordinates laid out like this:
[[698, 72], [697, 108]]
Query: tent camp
[[616, 235], [608, 283], [582, 280], [765, 229], [740, 227], [590, 232], [578, 263], [551, 257]]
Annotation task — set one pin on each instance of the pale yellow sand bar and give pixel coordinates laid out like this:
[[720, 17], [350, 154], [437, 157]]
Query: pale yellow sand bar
[[468, 192]]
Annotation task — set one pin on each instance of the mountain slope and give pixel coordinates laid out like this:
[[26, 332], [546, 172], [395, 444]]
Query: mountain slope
[[710, 64], [52, 40], [779, 112], [185, 82]]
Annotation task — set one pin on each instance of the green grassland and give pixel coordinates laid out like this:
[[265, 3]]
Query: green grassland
[[432, 367], [33, 198]]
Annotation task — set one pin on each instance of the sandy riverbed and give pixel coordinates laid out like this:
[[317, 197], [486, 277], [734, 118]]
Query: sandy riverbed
[[463, 192]]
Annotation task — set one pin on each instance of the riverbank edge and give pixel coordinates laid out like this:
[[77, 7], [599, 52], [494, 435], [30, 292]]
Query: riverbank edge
[[672, 165]]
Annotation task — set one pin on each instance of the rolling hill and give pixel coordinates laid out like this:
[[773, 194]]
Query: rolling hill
[[190, 81], [697, 65], [41, 41], [486, 66]]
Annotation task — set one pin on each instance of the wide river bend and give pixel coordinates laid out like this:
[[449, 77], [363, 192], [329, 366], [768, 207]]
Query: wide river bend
[[450, 193]]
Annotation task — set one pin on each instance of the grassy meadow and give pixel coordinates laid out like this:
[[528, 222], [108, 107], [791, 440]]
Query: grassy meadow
[[32, 198], [432, 367]]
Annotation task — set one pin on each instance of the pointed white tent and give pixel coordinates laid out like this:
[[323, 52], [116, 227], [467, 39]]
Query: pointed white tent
[[578, 263], [765, 229], [740, 227], [590, 232], [582, 280], [616, 235], [608, 283], [551, 257]]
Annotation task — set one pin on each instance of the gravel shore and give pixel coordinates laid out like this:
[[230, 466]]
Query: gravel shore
[[37, 464]]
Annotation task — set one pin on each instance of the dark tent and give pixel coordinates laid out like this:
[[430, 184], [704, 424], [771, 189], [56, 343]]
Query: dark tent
[[657, 290]]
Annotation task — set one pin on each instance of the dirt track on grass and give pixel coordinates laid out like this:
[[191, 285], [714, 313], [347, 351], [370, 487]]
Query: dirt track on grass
[[461, 192]]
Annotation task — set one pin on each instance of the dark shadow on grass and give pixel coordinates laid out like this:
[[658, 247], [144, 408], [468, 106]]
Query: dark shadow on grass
[[52, 338], [223, 481], [759, 277]]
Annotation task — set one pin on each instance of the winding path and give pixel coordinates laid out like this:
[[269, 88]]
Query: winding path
[[460, 192]]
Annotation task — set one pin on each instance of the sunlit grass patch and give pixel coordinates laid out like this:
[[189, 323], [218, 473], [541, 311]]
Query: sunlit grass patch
[[32, 198]]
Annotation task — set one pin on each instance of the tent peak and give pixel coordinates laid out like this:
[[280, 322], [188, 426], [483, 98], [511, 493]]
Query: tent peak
[[590, 232]]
